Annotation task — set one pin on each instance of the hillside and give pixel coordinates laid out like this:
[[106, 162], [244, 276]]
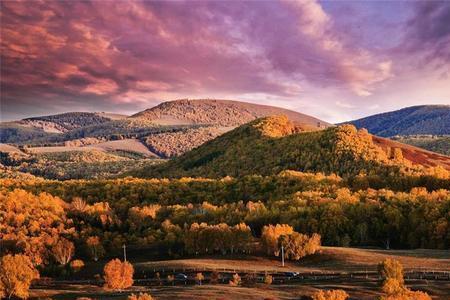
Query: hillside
[[424, 119], [438, 144], [270, 145], [219, 113]]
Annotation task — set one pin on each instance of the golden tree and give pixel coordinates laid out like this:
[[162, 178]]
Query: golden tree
[[330, 295], [199, 277], [76, 265], [63, 251], [141, 296], [16, 274], [118, 275], [270, 235]]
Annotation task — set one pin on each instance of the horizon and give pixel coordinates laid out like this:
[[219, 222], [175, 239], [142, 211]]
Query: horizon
[[330, 60], [191, 99]]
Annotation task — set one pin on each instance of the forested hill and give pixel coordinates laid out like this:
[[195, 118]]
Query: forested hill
[[424, 119], [270, 145]]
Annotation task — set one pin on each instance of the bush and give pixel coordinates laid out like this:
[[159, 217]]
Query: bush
[[330, 295], [236, 280], [268, 279], [141, 296]]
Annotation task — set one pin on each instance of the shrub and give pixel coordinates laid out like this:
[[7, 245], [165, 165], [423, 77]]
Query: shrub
[[141, 296], [330, 295], [268, 279], [236, 280]]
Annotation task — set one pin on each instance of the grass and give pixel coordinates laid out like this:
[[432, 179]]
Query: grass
[[330, 259]]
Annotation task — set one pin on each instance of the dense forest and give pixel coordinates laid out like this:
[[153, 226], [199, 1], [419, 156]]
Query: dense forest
[[161, 214]]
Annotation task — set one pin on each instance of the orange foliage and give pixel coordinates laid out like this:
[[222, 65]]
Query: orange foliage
[[330, 295], [16, 274], [118, 275]]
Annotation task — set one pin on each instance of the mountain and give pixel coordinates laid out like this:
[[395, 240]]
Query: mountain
[[168, 129], [224, 113], [435, 143], [424, 119], [272, 144]]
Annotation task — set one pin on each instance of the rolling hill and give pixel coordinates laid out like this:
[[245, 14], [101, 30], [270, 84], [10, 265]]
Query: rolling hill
[[272, 144], [224, 113], [168, 129], [424, 119]]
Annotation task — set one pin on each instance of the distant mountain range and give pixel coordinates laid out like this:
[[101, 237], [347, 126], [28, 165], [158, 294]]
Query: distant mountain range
[[414, 120], [168, 129], [215, 138]]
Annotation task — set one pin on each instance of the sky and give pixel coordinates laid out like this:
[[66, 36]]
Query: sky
[[335, 60]]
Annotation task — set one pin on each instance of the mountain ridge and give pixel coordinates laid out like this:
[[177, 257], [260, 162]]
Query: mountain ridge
[[413, 120]]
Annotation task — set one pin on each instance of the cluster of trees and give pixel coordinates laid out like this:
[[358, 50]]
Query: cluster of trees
[[295, 245], [393, 286], [221, 238], [35, 221]]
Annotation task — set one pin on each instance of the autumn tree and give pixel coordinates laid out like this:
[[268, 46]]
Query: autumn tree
[[330, 295], [63, 251], [76, 265], [16, 274], [270, 235], [118, 275], [393, 286], [141, 296], [199, 277], [297, 245], [95, 247]]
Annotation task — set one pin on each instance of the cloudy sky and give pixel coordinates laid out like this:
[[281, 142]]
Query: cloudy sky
[[333, 60]]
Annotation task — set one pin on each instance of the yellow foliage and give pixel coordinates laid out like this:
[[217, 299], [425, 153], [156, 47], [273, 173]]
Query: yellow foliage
[[330, 295]]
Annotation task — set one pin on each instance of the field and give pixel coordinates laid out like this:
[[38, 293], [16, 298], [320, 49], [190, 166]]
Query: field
[[344, 261], [131, 145]]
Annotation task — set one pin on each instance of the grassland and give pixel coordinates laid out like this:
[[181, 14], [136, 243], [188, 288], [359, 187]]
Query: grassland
[[331, 259]]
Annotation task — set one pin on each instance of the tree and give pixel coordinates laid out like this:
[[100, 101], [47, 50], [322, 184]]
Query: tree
[[16, 274], [393, 285], [199, 277], [330, 295], [95, 247], [118, 275], [297, 245], [76, 265], [270, 235], [63, 251], [391, 269], [141, 296]]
